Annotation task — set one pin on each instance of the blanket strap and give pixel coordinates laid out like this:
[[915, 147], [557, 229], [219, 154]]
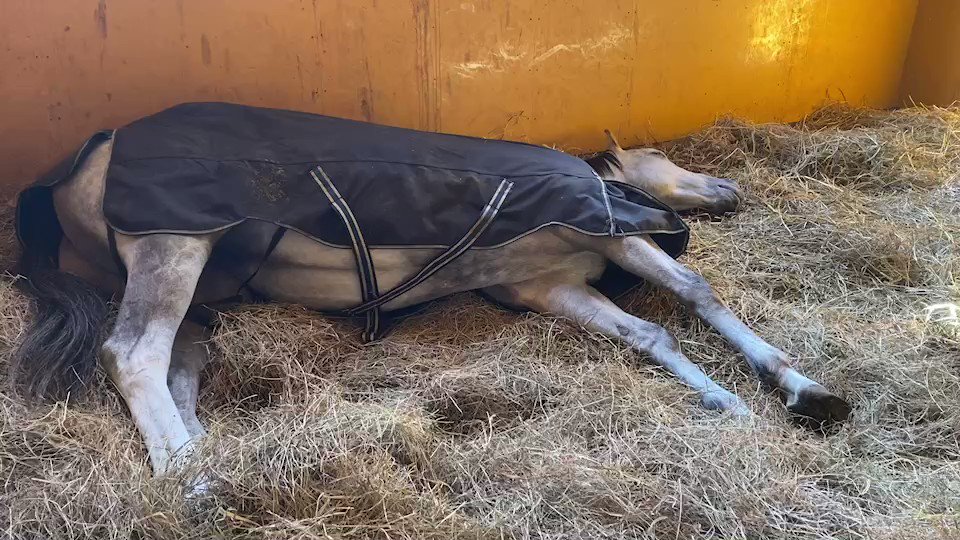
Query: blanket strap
[[274, 240], [372, 299], [368, 277], [486, 218]]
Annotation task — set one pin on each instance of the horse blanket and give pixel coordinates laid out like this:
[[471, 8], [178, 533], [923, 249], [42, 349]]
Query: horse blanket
[[202, 167]]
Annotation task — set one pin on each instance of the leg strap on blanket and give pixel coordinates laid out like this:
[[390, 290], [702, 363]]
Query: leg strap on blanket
[[486, 218], [372, 299], [205, 314], [274, 240]]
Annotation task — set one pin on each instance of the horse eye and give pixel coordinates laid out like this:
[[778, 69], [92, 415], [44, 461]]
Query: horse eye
[[657, 153]]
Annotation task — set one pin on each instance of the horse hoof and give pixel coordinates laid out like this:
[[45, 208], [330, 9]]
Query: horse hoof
[[817, 406]]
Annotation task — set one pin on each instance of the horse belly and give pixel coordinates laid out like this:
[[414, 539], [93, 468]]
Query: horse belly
[[306, 272]]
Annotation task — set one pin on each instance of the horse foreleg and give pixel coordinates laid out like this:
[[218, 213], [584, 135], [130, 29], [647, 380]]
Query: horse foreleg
[[183, 379], [641, 256], [162, 274], [585, 306]]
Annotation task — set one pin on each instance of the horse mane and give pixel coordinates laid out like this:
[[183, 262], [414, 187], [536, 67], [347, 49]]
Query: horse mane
[[605, 163]]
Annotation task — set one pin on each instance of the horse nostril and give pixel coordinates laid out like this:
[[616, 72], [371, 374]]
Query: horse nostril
[[732, 187], [729, 184], [724, 181]]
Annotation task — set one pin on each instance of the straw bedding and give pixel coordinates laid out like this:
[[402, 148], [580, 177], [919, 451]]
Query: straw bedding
[[472, 422]]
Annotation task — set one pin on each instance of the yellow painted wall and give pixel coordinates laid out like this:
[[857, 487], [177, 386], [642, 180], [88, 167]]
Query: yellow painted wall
[[546, 71], [932, 71]]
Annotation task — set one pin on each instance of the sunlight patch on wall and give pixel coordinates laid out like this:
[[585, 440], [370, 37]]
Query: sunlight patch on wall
[[779, 26]]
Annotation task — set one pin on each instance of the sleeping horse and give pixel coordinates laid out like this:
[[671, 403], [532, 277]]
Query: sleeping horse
[[207, 203]]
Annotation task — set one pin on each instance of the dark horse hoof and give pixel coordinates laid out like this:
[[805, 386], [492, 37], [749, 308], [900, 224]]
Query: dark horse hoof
[[817, 407]]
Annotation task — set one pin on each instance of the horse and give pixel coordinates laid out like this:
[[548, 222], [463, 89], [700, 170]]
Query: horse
[[152, 353]]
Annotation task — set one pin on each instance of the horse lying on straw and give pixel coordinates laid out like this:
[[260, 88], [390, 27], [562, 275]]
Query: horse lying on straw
[[204, 203]]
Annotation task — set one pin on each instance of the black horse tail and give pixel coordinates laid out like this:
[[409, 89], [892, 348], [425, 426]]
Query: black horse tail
[[57, 355]]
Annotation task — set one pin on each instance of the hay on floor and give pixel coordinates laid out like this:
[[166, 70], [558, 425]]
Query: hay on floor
[[474, 422]]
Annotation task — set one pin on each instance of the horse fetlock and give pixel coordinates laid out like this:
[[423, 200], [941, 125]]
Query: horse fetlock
[[719, 399], [182, 456], [771, 366], [194, 427], [198, 492]]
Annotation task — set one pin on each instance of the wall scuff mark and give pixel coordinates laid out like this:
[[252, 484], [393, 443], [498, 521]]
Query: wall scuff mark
[[100, 17], [508, 54], [205, 55]]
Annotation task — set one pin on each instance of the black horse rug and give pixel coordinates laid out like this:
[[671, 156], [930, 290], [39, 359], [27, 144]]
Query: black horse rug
[[203, 167]]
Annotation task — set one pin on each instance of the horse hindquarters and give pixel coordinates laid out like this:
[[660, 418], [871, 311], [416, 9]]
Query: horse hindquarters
[[58, 352]]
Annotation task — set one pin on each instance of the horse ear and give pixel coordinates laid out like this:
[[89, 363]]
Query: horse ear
[[612, 143]]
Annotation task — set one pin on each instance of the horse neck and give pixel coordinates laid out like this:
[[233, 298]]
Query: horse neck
[[607, 166]]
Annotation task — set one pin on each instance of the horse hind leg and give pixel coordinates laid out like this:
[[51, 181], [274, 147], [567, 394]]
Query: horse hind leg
[[162, 275], [183, 379]]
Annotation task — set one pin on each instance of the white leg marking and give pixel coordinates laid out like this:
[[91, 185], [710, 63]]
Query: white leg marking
[[590, 309]]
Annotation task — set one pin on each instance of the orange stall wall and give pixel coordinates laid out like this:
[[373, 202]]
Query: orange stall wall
[[548, 71], [932, 71]]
